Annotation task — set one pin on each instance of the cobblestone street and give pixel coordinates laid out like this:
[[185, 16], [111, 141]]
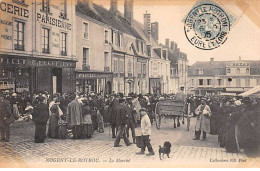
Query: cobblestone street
[[99, 150]]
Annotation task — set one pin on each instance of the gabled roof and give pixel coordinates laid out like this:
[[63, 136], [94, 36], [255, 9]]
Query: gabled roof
[[85, 9], [118, 23]]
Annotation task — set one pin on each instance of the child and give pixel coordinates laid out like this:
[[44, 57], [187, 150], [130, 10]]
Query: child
[[87, 128], [28, 111], [62, 131]]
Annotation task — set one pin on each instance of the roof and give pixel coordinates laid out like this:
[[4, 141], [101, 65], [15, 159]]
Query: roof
[[85, 9], [118, 23], [219, 67]]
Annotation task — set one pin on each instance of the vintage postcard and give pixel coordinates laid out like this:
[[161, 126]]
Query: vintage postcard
[[130, 83]]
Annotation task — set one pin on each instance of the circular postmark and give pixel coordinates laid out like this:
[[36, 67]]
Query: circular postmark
[[207, 26]]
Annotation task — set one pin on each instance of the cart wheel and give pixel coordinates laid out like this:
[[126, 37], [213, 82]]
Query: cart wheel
[[158, 121]]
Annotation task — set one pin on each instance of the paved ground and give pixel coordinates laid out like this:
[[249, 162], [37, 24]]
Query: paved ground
[[99, 150]]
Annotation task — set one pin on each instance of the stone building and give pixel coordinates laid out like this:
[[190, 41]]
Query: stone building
[[222, 77], [37, 51]]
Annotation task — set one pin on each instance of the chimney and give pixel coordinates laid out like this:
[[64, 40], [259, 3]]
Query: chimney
[[147, 24], [128, 13], [167, 43], [114, 7], [211, 60], [155, 30], [172, 45]]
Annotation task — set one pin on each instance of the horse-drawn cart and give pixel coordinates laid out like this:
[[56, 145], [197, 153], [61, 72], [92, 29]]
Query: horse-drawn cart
[[172, 109]]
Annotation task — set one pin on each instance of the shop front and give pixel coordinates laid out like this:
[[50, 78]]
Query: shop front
[[155, 85], [36, 74], [97, 82]]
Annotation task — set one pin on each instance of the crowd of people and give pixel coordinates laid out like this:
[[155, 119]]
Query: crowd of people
[[235, 120]]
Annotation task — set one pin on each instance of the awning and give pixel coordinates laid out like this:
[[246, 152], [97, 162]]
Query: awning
[[252, 92]]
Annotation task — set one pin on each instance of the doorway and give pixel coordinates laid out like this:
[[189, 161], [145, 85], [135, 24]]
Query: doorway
[[56, 80]]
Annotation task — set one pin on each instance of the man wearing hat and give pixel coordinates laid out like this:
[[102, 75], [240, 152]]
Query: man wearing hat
[[121, 124], [203, 120], [180, 96], [131, 122], [5, 112], [146, 132]]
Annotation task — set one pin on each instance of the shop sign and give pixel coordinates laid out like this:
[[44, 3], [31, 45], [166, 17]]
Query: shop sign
[[53, 21], [238, 64], [13, 9], [141, 60], [37, 63], [93, 75]]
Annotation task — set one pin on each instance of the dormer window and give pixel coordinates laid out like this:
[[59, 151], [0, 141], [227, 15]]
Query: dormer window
[[247, 70], [200, 71], [228, 70]]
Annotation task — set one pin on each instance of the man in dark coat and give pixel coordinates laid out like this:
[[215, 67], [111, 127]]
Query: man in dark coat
[[115, 107], [74, 117], [121, 124], [40, 118], [131, 118], [5, 112], [214, 107]]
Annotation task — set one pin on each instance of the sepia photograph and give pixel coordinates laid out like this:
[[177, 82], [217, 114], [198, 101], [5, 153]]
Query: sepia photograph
[[129, 83]]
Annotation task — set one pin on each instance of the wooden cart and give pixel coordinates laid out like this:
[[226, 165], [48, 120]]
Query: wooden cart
[[172, 109]]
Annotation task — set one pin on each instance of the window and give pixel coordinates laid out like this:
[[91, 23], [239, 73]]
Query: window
[[119, 40], [200, 71], [247, 82], [228, 70], [19, 36], [46, 6], [85, 57], [45, 40], [238, 82], [85, 30], [106, 36], [115, 65], [63, 10], [171, 71], [143, 68], [106, 59], [114, 37], [220, 82], [121, 66], [238, 71], [258, 81], [164, 54], [149, 50], [200, 81], [209, 81], [247, 70], [142, 47], [129, 66], [63, 44]]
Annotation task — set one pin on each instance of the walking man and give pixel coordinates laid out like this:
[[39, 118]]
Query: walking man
[[121, 124], [146, 132], [203, 120], [40, 118], [131, 119], [5, 113]]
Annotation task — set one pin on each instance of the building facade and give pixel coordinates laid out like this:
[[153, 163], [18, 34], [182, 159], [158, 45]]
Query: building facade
[[93, 71], [37, 52], [223, 77]]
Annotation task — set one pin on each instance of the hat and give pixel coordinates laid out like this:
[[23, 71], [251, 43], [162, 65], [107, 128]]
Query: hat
[[128, 98], [121, 100], [14, 94], [142, 109]]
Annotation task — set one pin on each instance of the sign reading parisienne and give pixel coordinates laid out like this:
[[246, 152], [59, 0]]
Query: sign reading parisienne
[[53, 21]]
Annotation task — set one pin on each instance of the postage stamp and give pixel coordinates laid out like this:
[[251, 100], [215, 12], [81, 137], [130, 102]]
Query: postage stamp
[[207, 25]]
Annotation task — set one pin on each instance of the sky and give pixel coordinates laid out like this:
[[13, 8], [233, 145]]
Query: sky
[[243, 40]]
